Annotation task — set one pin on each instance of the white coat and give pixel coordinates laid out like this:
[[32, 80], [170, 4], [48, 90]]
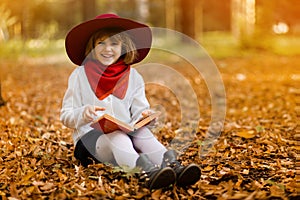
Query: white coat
[[79, 95]]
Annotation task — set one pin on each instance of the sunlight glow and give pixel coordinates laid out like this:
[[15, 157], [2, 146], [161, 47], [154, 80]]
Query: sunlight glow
[[250, 11], [280, 28]]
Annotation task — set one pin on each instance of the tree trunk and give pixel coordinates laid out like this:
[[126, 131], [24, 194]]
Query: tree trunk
[[243, 19], [191, 18], [2, 102], [170, 14], [88, 9], [187, 17]]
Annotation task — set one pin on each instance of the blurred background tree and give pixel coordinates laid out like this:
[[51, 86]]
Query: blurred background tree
[[2, 102], [52, 19], [6, 21]]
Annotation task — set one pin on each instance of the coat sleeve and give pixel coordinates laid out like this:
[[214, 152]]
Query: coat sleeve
[[139, 100], [72, 106]]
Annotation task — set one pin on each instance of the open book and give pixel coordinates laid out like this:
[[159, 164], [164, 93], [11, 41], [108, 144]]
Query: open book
[[107, 123]]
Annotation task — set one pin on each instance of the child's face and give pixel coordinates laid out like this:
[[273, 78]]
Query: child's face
[[107, 51]]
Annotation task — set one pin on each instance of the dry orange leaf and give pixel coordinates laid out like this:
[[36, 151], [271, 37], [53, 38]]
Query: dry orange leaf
[[37, 154], [47, 186], [156, 194], [246, 134]]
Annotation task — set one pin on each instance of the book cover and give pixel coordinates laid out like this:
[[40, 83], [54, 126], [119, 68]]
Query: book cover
[[107, 123]]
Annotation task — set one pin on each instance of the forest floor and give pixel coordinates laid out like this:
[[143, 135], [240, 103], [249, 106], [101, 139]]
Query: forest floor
[[255, 157]]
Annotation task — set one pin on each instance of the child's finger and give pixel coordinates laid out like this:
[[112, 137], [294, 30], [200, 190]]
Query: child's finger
[[97, 108], [87, 114], [90, 114], [146, 113]]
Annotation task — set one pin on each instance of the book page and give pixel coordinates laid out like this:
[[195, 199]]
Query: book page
[[146, 120], [107, 124]]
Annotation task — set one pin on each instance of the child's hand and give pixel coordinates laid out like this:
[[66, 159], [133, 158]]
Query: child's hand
[[146, 113], [90, 112]]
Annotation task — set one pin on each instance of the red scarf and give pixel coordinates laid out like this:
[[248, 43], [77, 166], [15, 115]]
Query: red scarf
[[106, 80]]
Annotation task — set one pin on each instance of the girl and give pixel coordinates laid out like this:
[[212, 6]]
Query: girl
[[104, 48]]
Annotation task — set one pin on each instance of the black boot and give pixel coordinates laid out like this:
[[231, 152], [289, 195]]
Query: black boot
[[186, 175], [155, 177]]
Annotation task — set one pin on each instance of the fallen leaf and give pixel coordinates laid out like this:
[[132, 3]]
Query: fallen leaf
[[246, 134], [47, 186]]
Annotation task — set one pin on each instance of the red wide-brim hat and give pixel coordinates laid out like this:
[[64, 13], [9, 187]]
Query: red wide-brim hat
[[78, 37]]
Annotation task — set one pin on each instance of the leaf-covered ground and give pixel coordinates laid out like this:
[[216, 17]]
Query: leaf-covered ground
[[254, 158]]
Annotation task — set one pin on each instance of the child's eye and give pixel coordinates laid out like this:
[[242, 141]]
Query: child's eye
[[100, 43], [115, 43]]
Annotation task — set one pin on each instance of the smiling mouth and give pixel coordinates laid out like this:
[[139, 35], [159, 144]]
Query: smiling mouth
[[107, 56]]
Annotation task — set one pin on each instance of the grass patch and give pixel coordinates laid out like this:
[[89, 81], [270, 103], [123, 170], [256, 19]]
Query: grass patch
[[286, 45], [216, 44], [14, 49], [221, 45]]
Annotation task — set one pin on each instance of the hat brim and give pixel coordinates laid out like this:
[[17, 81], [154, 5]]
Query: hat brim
[[78, 37]]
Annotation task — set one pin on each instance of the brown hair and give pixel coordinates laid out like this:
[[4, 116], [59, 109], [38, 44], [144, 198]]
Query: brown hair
[[129, 52]]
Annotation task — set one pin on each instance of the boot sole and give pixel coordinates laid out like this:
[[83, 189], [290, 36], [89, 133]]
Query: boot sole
[[189, 176], [164, 178]]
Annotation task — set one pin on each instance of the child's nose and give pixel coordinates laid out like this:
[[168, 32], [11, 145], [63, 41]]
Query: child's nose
[[108, 47]]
